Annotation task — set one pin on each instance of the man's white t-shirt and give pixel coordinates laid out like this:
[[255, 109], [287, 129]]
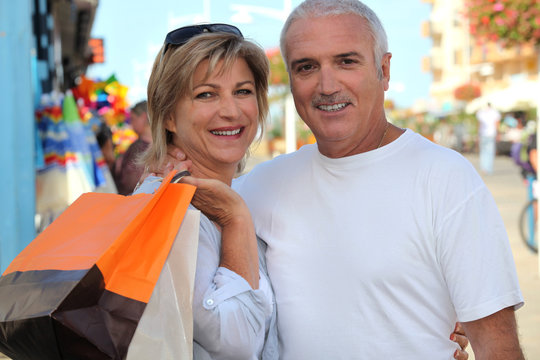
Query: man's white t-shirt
[[377, 255]]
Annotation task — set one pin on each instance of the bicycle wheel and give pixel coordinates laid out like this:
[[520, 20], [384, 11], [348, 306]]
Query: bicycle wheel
[[527, 225]]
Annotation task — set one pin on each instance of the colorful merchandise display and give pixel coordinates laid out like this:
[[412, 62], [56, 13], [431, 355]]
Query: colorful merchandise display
[[107, 100], [67, 170], [72, 159]]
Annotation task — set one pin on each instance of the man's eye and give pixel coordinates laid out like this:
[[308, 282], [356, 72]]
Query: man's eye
[[304, 68], [348, 61]]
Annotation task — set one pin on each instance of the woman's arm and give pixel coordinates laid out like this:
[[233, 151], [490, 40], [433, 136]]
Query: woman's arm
[[228, 211], [226, 208], [229, 316]]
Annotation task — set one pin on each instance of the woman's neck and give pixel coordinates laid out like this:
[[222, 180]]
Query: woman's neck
[[224, 173]]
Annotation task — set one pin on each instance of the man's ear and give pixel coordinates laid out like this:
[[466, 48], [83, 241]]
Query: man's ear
[[385, 67], [290, 79], [170, 124]]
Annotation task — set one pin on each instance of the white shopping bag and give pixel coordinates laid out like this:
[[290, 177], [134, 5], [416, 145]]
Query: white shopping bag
[[165, 331]]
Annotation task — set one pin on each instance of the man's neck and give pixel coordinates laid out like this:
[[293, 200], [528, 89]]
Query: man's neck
[[338, 149]]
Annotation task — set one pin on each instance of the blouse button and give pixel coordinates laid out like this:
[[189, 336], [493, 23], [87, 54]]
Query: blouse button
[[209, 302]]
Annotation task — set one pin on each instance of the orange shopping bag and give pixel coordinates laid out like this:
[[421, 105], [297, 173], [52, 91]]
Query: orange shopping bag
[[80, 288]]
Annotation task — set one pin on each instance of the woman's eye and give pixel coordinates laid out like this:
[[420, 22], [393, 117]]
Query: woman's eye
[[203, 95], [244, 92]]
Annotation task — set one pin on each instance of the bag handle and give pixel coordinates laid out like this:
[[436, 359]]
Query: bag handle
[[176, 178]]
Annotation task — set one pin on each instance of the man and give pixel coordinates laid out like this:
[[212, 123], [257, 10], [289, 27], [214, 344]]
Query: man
[[127, 169], [378, 240], [488, 123]]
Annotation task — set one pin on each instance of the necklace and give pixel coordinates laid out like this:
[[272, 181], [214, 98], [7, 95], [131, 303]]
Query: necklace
[[384, 135]]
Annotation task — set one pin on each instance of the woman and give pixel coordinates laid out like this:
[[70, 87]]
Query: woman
[[207, 97]]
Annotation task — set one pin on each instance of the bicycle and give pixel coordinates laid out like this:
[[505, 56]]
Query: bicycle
[[528, 218]]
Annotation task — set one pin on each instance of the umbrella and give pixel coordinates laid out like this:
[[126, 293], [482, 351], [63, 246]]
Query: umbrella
[[518, 96]]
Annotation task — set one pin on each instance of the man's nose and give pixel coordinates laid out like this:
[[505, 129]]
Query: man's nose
[[328, 83]]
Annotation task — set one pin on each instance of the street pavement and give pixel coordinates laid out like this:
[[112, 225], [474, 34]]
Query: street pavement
[[510, 194]]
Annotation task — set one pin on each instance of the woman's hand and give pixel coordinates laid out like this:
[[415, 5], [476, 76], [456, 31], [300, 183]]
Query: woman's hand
[[461, 339], [227, 209], [176, 160], [217, 200]]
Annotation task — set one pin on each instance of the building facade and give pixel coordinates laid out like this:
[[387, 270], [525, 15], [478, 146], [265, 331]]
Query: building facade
[[43, 47], [457, 58]]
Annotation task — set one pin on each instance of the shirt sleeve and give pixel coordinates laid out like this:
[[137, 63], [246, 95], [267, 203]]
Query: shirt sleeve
[[148, 186], [229, 316], [476, 258]]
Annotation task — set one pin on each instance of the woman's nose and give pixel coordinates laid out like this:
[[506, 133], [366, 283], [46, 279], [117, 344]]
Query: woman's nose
[[228, 107]]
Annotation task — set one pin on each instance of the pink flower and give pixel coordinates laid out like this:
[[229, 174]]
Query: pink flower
[[498, 7], [512, 14]]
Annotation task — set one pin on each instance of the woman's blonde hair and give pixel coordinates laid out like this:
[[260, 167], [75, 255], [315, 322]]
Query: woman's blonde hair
[[172, 78]]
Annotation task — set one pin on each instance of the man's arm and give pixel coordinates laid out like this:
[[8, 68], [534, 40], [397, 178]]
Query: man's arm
[[495, 336]]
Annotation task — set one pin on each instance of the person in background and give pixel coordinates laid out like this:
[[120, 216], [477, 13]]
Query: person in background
[[488, 125], [105, 142], [514, 124], [533, 154], [104, 139], [128, 168]]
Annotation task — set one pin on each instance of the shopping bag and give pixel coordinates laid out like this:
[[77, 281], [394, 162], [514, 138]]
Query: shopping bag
[[80, 288], [165, 331]]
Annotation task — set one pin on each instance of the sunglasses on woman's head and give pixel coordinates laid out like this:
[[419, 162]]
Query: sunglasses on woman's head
[[182, 35]]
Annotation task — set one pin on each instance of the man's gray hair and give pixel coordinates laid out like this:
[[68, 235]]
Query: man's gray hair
[[319, 8]]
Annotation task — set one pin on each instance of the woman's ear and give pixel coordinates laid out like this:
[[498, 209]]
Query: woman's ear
[[170, 124]]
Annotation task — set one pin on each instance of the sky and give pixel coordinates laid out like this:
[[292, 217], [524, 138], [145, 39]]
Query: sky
[[134, 30]]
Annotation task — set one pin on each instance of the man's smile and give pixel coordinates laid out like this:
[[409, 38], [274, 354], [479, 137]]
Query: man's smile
[[333, 107]]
